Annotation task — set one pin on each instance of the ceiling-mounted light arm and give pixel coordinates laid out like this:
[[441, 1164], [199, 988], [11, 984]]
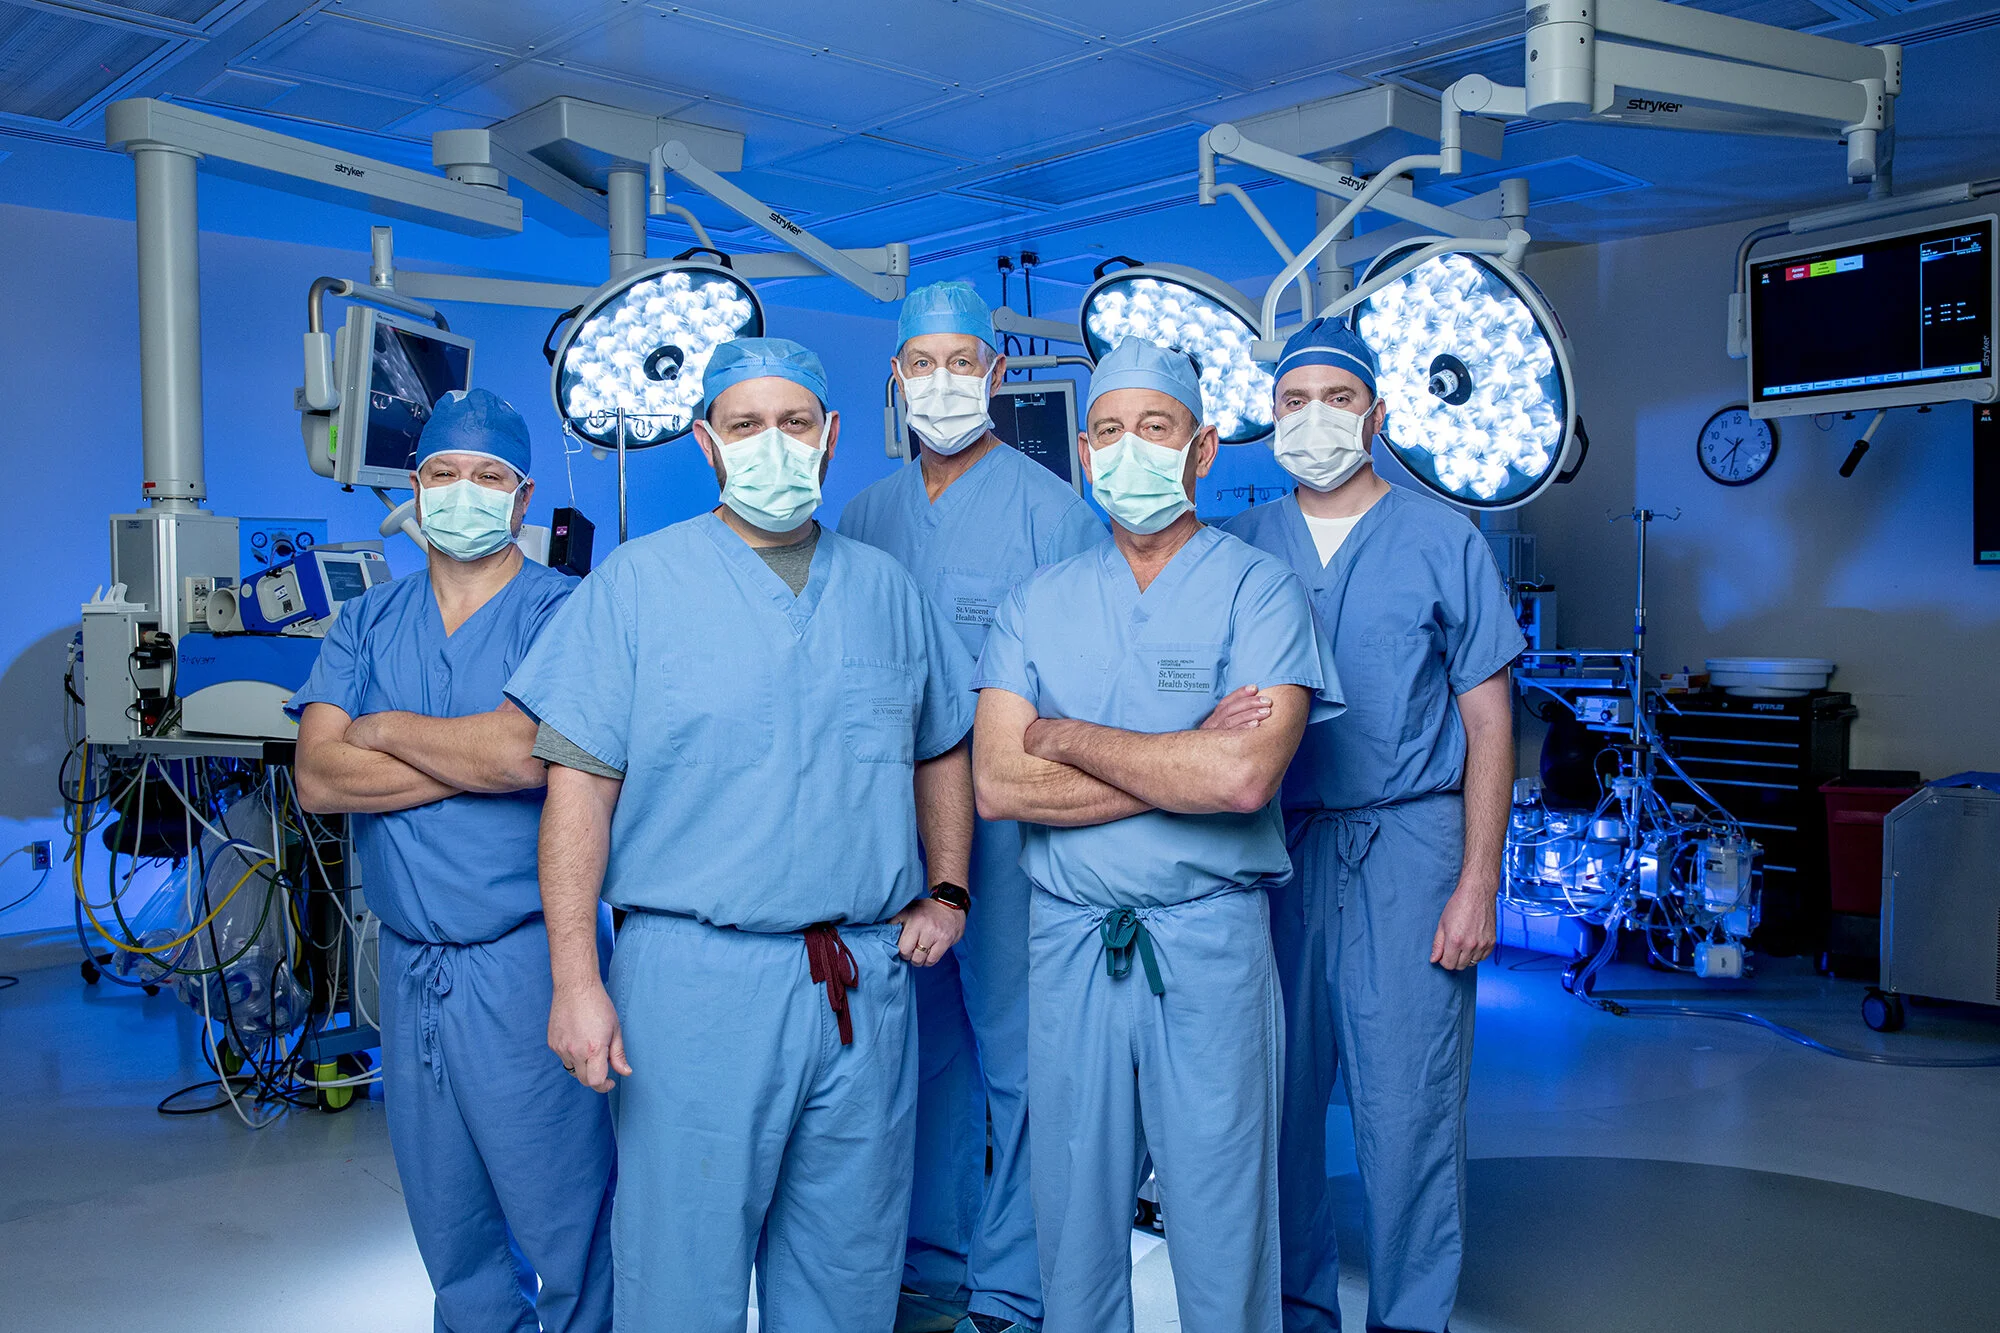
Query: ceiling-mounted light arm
[[1206, 193], [1508, 250], [1027, 326], [674, 156]]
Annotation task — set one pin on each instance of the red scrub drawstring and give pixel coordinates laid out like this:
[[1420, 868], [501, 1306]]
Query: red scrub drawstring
[[833, 966]]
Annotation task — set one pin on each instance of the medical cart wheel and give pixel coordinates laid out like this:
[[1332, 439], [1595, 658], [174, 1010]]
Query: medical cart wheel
[[1147, 1217], [1882, 1011], [150, 989], [90, 972], [231, 1060]]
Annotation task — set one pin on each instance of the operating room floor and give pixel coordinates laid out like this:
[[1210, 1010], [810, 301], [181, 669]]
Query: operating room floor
[[1630, 1175]]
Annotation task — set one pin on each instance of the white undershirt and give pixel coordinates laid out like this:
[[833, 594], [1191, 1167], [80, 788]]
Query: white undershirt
[[1329, 533]]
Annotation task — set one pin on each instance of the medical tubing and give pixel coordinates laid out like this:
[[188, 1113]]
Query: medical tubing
[[1650, 1010]]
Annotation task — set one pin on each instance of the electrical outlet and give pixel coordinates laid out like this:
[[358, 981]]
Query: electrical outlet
[[41, 852]]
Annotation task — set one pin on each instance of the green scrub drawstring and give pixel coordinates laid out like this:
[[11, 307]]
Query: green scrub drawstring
[[1123, 931]]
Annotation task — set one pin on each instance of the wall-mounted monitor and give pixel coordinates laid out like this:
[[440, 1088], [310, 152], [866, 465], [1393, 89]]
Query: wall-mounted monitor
[[1038, 417], [392, 371], [1887, 321]]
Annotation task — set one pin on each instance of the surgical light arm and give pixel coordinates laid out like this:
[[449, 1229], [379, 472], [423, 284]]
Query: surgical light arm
[[1647, 62], [675, 156]]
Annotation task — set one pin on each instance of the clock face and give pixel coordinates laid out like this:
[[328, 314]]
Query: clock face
[[1734, 448]]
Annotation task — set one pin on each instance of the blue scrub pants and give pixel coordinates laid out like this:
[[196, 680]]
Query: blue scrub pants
[[747, 1133], [969, 1232], [1116, 1072], [506, 1161], [1353, 931]]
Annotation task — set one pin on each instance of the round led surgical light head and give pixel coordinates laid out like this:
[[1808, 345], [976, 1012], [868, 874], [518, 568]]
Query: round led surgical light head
[[1475, 373], [1185, 309], [641, 343]]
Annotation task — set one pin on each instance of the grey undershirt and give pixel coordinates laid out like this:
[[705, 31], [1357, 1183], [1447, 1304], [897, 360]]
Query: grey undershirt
[[792, 563]]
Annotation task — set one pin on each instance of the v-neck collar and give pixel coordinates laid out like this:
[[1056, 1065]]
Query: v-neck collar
[[933, 512], [798, 610], [1303, 554], [1119, 569], [436, 610]]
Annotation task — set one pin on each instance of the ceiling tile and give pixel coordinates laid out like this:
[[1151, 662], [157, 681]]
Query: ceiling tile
[[236, 87], [1078, 176], [180, 11], [1274, 43], [428, 120], [1120, 20], [674, 51], [914, 220], [362, 53], [52, 65], [868, 163], [940, 39], [520, 87], [1558, 180], [509, 25], [342, 106], [1085, 97], [805, 198]]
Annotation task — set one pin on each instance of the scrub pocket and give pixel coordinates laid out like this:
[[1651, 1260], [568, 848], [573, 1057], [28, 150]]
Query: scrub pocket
[[1396, 700], [880, 701], [970, 597], [1173, 685]]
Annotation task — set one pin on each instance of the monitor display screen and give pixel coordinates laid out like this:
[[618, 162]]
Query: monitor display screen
[[408, 372], [345, 579], [1911, 312], [1039, 419]]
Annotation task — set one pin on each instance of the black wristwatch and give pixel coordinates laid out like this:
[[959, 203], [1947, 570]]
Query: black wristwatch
[[952, 895]]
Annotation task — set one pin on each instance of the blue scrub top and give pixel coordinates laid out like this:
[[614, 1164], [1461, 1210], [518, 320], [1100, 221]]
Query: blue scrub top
[[1417, 614], [1004, 518], [460, 870], [768, 741], [1079, 640]]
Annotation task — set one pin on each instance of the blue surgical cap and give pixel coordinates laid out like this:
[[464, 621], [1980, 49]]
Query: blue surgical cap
[[476, 421], [1328, 342], [946, 307], [1137, 364], [743, 359]]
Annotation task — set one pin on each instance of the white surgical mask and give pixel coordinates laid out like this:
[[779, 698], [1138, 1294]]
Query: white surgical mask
[[468, 521], [1140, 484], [771, 479], [1322, 446], [948, 411]]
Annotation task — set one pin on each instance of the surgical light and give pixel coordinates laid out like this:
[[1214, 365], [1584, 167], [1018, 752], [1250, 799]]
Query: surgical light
[[641, 344], [1475, 373], [1189, 311]]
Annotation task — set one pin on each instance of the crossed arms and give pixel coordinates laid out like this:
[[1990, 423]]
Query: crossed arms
[[393, 761], [1066, 773]]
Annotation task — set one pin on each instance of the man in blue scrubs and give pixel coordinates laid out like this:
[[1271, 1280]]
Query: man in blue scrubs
[[1139, 705], [970, 521], [751, 723], [506, 1163], [1395, 813]]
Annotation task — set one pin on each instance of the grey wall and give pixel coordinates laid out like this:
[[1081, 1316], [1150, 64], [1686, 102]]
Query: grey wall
[[1874, 572]]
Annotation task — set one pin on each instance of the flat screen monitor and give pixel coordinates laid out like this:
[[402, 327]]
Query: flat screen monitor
[[393, 371], [1885, 321], [1038, 417]]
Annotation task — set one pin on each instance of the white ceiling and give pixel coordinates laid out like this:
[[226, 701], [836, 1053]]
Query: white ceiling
[[960, 125]]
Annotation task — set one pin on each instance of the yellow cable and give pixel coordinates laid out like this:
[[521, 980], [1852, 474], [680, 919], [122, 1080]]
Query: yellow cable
[[194, 930]]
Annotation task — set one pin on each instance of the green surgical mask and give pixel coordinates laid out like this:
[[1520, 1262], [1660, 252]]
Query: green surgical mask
[[771, 479], [1140, 484], [468, 521]]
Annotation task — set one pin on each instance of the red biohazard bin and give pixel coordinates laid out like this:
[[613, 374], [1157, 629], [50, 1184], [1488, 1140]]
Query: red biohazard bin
[[1855, 805]]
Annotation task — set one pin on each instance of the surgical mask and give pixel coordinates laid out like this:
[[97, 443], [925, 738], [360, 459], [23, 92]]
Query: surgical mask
[[1139, 484], [771, 479], [1322, 446], [947, 410], [468, 521]]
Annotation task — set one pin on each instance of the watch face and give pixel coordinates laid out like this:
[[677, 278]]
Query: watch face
[[1736, 449]]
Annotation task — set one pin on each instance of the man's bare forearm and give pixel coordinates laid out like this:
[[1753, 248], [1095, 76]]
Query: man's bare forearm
[[336, 778], [944, 814], [575, 847], [1489, 779], [1195, 772], [1012, 784], [482, 752]]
